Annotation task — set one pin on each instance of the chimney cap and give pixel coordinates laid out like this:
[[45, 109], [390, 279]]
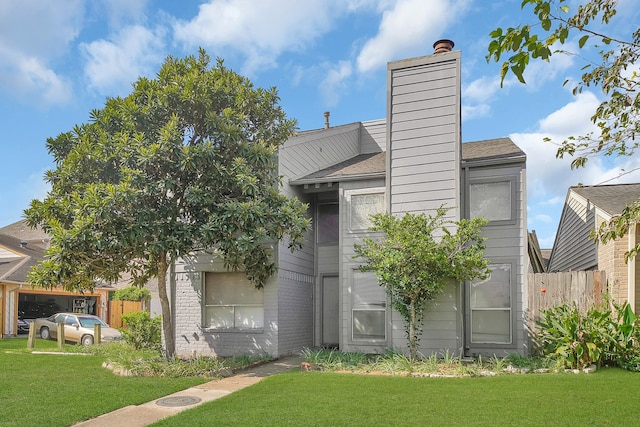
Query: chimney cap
[[443, 45]]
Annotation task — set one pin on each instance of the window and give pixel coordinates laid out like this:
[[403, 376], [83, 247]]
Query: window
[[328, 224], [363, 205], [490, 303], [368, 310], [232, 302], [493, 200]]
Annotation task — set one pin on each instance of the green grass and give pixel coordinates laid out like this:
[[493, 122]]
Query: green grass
[[58, 390], [605, 398]]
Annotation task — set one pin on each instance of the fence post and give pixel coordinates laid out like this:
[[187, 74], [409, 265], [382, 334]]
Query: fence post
[[31, 341], [60, 330], [97, 333]]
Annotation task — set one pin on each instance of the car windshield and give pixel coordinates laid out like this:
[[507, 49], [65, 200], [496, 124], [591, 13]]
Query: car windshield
[[89, 322]]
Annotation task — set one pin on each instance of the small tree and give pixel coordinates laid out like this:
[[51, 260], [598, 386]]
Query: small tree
[[416, 258], [132, 293]]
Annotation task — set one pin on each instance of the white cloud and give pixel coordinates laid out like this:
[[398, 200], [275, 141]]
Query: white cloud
[[33, 34], [543, 218], [571, 119], [124, 12], [548, 178], [477, 95], [260, 30], [113, 65], [335, 82], [407, 26]]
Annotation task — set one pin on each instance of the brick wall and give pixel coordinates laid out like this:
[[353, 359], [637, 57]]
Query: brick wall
[[192, 339], [611, 258], [295, 314]]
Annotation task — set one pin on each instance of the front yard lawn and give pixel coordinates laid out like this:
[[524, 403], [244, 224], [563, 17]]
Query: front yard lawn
[[605, 398], [57, 390]]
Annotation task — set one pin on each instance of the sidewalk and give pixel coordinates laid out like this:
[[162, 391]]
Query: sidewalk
[[148, 413]]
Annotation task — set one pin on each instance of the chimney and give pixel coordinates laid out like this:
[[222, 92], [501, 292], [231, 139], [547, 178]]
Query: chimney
[[443, 45], [326, 120]]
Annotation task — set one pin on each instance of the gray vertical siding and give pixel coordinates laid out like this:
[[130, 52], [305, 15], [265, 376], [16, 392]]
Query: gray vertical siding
[[423, 129], [423, 170], [573, 249], [348, 264], [508, 242]]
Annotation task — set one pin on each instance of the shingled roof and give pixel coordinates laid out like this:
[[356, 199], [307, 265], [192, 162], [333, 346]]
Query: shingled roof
[[15, 269], [373, 165], [490, 149], [610, 198]]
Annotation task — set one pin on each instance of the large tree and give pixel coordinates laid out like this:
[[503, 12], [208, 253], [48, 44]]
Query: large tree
[[614, 71], [187, 162], [417, 256]]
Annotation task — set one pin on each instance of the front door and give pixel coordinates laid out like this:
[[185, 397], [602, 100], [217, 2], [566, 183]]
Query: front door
[[330, 311]]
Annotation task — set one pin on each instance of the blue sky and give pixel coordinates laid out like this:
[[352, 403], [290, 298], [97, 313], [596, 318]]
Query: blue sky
[[60, 59]]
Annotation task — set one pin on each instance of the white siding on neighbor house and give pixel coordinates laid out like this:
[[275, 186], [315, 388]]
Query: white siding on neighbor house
[[192, 339], [507, 242], [373, 136], [573, 249], [423, 128]]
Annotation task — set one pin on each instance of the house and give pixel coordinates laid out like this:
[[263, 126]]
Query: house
[[585, 209], [411, 161], [538, 258], [21, 248]]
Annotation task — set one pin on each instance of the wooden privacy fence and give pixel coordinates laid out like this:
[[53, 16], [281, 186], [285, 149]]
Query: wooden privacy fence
[[546, 290], [118, 308]]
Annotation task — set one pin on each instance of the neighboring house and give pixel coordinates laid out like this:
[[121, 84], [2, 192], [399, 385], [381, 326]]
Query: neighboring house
[[411, 161], [538, 258], [20, 249], [585, 209]]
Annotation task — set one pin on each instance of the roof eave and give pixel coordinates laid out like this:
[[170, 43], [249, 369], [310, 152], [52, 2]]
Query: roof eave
[[493, 161], [337, 178]]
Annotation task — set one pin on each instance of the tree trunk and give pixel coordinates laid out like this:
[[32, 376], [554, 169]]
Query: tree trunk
[[167, 323], [412, 331]]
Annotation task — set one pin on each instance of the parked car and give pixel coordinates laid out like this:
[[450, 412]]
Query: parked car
[[23, 326], [77, 328]]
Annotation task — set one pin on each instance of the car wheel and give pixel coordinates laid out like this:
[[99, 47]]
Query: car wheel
[[87, 340], [44, 333]]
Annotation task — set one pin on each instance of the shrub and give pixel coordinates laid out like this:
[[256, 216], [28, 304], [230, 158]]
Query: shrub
[[578, 339], [604, 334], [142, 330], [131, 293]]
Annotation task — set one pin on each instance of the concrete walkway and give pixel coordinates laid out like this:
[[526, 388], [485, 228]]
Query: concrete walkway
[[148, 413]]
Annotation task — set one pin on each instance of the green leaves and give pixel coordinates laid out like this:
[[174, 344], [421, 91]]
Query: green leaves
[[418, 256], [616, 118], [602, 334], [186, 162]]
